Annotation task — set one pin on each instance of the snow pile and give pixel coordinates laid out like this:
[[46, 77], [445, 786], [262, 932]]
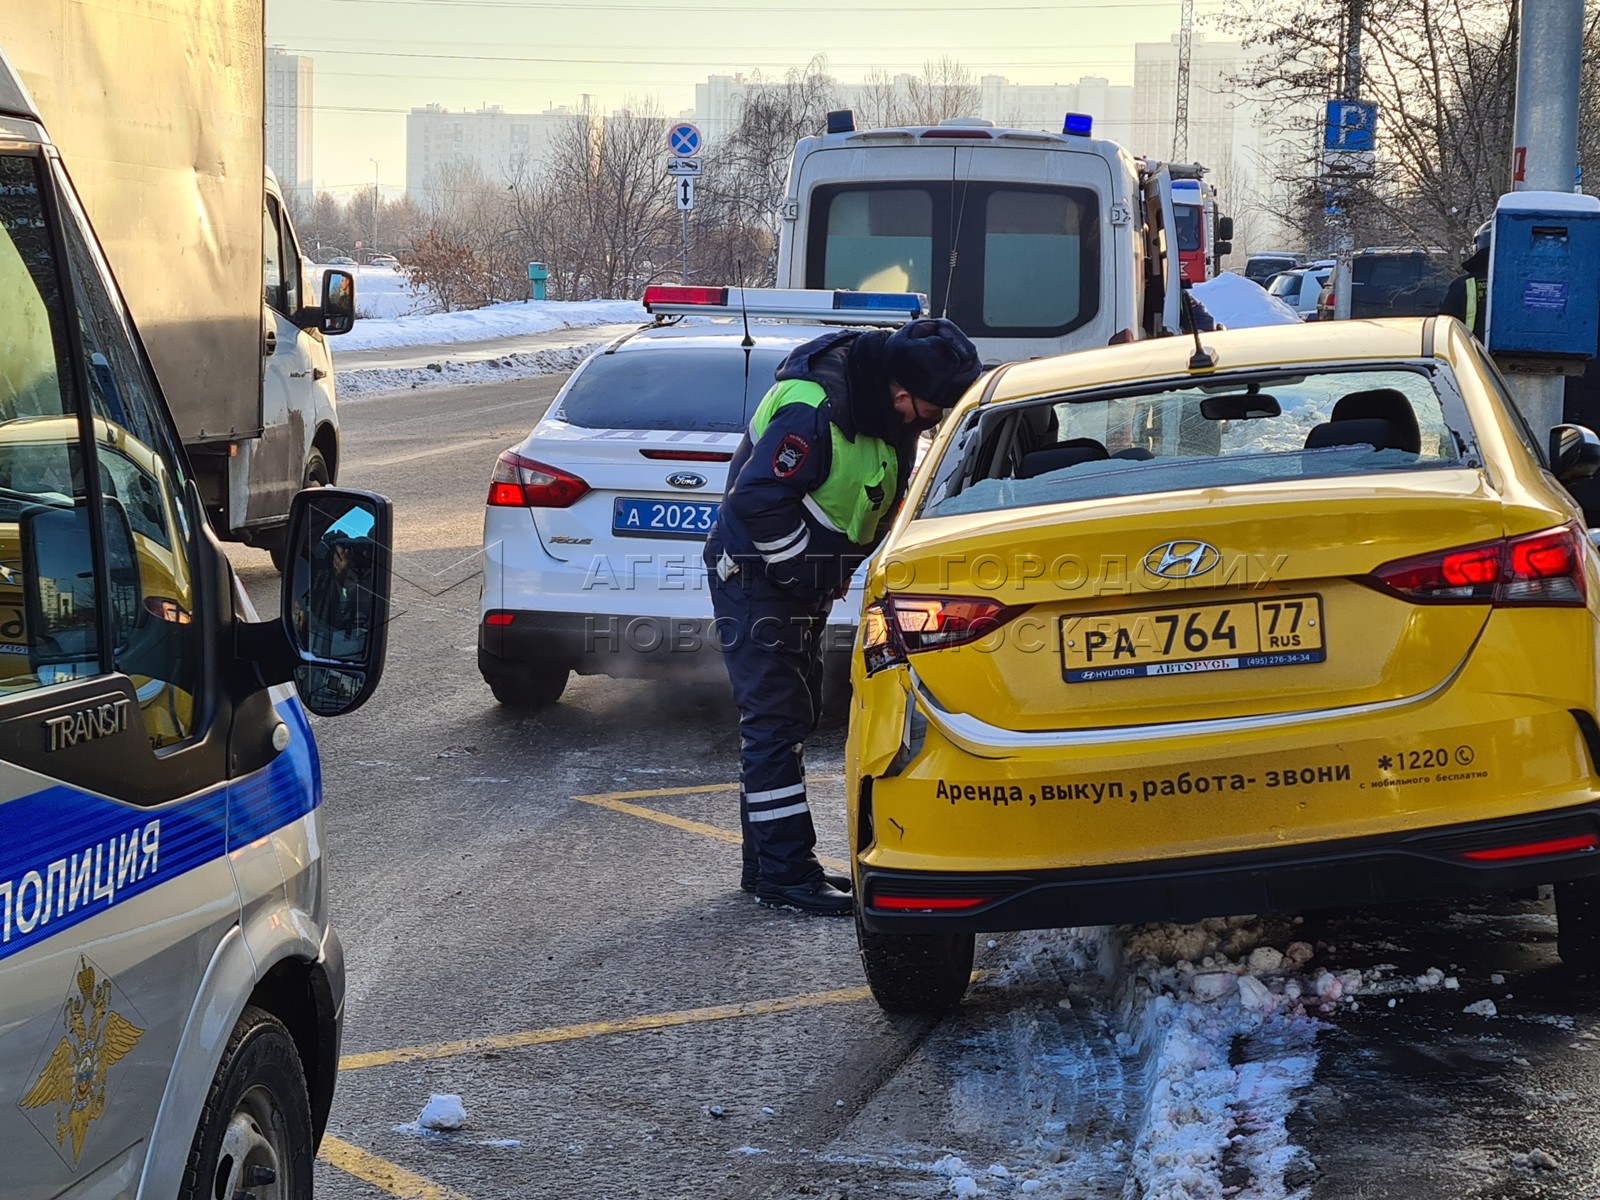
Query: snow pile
[[444, 373], [1237, 302], [482, 324], [443, 1111]]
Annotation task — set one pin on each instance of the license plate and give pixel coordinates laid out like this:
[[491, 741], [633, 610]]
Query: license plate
[[1226, 636], [633, 517]]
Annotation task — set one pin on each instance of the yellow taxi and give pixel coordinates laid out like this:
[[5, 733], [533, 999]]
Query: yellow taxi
[[1166, 631]]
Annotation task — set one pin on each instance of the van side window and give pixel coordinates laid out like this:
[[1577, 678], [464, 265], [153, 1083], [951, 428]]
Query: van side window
[[143, 484], [271, 260], [41, 455], [289, 258]]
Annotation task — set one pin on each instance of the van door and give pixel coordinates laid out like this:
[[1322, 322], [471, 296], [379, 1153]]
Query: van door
[[115, 882], [1163, 290], [278, 457]]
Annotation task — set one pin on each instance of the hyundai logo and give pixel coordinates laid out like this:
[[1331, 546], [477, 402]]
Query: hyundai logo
[[686, 479], [1182, 559]]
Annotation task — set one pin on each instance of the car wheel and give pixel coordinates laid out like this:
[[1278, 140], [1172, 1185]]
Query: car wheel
[[531, 687], [916, 972], [255, 1140], [1578, 925], [316, 475]]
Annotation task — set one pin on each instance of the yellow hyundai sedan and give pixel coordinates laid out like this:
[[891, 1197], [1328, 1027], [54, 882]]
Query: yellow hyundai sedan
[[1165, 632]]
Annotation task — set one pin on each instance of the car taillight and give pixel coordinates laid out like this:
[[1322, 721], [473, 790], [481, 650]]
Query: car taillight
[[520, 482], [901, 625], [1535, 569]]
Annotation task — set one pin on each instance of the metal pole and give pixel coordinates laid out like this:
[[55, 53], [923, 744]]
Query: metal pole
[[1344, 231], [1545, 154], [1549, 62], [686, 246]]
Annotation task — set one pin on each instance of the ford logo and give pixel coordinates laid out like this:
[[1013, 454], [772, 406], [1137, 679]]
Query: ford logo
[[686, 479], [1182, 559]]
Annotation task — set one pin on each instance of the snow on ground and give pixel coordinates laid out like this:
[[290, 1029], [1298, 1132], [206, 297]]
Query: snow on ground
[[372, 381], [484, 324]]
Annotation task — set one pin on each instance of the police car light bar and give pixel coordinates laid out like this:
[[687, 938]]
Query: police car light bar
[[803, 304]]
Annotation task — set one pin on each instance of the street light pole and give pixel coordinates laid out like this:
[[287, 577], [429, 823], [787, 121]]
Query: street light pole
[[374, 249]]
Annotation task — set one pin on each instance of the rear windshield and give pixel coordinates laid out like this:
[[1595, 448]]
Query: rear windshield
[[1260, 429], [672, 387], [1285, 285]]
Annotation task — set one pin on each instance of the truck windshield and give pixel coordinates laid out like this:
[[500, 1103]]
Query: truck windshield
[[1188, 219], [1026, 259]]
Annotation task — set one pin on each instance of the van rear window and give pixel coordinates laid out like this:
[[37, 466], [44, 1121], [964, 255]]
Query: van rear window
[[1013, 260]]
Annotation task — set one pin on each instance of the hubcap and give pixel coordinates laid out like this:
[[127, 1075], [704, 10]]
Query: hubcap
[[252, 1158]]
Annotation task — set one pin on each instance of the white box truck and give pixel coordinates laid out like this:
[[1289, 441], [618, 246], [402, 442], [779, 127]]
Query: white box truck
[[158, 109]]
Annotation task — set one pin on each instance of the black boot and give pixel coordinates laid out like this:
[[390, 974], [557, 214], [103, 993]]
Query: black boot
[[815, 896], [748, 879]]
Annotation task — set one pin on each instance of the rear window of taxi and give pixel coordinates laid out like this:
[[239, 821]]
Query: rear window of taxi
[[1219, 433], [666, 386]]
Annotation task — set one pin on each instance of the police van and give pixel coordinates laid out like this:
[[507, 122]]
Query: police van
[[171, 990], [1034, 243]]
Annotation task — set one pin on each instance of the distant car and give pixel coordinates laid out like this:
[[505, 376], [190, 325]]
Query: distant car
[[595, 522], [1260, 268], [385, 260], [1301, 288], [341, 260], [1152, 640], [1390, 283]]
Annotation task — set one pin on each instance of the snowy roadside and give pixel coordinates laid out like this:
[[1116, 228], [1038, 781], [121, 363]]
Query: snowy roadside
[[1162, 1062], [363, 382], [485, 324]]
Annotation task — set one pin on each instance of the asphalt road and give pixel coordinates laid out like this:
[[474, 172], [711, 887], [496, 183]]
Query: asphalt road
[[542, 916]]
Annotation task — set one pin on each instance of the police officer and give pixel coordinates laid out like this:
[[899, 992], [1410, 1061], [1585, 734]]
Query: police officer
[[810, 494], [1467, 297]]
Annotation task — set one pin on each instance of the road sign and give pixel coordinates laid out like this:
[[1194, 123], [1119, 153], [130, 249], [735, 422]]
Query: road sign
[[1349, 126], [683, 141], [683, 166], [685, 192]]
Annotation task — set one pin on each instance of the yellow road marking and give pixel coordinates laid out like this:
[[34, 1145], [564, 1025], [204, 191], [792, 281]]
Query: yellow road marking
[[381, 1173], [592, 1029], [618, 802]]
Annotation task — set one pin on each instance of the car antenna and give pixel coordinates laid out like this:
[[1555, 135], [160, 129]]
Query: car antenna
[[744, 311], [1203, 358]]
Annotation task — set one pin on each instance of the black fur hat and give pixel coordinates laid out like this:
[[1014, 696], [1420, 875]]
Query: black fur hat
[[933, 360]]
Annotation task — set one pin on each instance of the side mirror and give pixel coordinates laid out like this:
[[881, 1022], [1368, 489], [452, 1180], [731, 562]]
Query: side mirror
[[1574, 452], [1224, 247], [336, 588], [338, 302], [59, 595], [1224, 230]]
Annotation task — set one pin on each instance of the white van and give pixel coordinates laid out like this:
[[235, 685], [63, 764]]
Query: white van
[[171, 989], [1034, 243]]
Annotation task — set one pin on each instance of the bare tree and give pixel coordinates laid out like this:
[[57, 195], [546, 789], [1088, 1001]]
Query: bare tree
[[945, 89]]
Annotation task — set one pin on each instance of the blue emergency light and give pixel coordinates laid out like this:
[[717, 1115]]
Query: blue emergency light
[[913, 302], [1077, 125]]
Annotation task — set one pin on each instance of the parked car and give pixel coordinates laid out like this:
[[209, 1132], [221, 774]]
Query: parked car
[[1391, 283], [1301, 288], [1260, 268], [1159, 640], [385, 260], [341, 260]]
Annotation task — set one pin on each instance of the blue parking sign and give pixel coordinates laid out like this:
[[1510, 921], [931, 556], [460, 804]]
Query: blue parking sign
[[683, 141], [1349, 126]]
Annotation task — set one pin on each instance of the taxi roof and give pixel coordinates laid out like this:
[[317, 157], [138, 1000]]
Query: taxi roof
[[1389, 339]]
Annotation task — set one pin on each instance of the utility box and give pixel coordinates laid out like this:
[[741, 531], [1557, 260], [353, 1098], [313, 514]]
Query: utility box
[[537, 277], [1544, 276]]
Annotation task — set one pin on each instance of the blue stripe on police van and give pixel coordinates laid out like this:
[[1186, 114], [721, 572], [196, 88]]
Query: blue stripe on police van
[[67, 855]]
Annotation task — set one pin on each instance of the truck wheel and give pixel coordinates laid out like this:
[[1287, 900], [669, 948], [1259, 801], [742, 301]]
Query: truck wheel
[[255, 1140], [916, 972], [1578, 925], [529, 687], [316, 475]]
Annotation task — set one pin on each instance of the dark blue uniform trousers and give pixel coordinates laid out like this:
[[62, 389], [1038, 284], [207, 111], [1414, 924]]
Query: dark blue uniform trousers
[[771, 641]]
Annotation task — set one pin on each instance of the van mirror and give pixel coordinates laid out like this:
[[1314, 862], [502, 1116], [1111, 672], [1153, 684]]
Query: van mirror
[[1224, 229], [336, 588], [338, 302], [59, 595]]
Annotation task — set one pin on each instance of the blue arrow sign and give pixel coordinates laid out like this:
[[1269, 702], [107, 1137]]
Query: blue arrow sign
[[683, 140], [1349, 126]]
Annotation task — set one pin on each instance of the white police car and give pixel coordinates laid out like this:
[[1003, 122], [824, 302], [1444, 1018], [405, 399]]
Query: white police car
[[596, 520]]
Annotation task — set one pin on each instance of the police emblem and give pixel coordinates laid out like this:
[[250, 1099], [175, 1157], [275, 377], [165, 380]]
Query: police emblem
[[790, 454], [74, 1078]]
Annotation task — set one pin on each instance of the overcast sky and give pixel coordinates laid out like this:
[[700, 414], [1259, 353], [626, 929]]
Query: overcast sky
[[375, 59]]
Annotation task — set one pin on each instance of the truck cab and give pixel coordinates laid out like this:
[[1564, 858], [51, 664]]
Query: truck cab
[[171, 987], [1034, 243]]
